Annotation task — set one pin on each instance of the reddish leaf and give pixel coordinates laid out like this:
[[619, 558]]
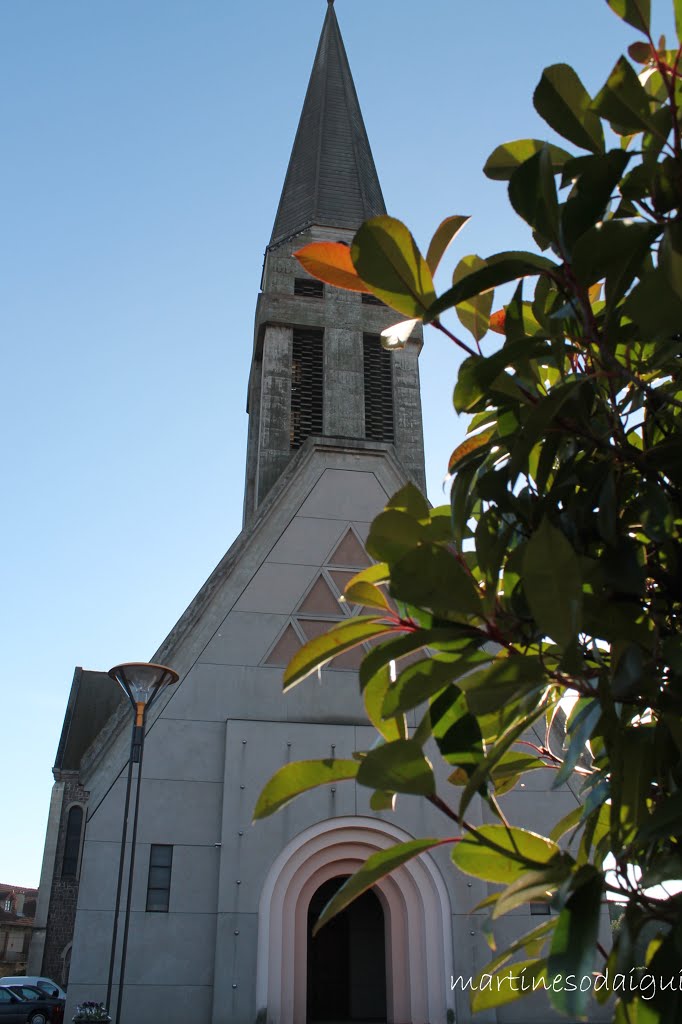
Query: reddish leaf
[[640, 52], [497, 320], [330, 262], [468, 446]]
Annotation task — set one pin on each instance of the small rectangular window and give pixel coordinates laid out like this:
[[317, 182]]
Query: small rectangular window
[[310, 289], [539, 908], [378, 373], [371, 300], [158, 884]]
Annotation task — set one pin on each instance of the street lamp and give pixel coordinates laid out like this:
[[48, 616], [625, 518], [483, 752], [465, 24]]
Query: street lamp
[[141, 682]]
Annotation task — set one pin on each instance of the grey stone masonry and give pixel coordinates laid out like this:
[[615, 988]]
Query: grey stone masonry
[[61, 915], [344, 320]]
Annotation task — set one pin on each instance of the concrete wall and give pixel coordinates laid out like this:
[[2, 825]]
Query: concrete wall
[[216, 738]]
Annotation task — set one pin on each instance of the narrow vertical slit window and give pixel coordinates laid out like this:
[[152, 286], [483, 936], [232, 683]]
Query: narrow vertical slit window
[[72, 842], [306, 385], [378, 373], [158, 884]]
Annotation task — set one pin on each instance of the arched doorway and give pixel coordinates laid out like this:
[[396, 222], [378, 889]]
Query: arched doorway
[[346, 960], [417, 921]]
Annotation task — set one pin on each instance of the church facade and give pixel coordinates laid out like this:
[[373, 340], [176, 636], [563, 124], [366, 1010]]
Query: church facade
[[221, 909]]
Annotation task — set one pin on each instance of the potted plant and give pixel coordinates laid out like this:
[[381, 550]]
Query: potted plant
[[90, 1011]]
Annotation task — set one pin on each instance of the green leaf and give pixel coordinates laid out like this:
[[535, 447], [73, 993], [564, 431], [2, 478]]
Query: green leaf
[[534, 885], [317, 652], [502, 743], [456, 731], [595, 182], [366, 595], [431, 577], [377, 573], [298, 777], [388, 260], [665, 963], [564, 103], [392, 534], [636, 12], [445, 233], [381, 801], [519, 851], [677, 6], [511, 766], [409, 499], [373, 696], [614, 250], [639, 1011], [532, 942], [552, 584], [670, 256], [657, 310], [623, 101], [580, 728], [473, 313], [512, 983], [537, 427], [664, 822], [375, 867], [574, 943], [399, 767], [504, 160], [532, 193], [499, 269], [507, 675], [478, 375], [423, 679], [400, 646]]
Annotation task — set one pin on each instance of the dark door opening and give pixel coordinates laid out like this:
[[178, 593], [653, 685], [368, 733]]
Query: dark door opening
[[347, 960]]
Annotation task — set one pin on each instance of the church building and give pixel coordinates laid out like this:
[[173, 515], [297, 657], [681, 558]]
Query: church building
[[221, 908]]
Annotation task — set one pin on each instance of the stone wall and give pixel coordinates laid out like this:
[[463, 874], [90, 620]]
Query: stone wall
[[61, 915]]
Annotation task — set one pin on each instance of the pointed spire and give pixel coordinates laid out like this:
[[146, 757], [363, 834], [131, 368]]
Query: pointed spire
[[331, 180]]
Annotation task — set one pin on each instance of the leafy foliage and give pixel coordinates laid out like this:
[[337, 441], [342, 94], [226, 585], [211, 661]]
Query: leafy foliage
[[552, 581]]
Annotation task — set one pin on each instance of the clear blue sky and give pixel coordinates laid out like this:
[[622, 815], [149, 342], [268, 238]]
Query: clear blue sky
[[144, 148]]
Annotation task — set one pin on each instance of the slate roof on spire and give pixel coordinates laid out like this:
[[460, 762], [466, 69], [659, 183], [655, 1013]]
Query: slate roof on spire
[[331, 180]]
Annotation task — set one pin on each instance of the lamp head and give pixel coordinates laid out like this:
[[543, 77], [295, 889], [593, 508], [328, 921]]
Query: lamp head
[[142, 681]]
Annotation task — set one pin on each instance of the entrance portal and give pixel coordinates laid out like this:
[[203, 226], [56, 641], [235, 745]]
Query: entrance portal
[[347, 960]]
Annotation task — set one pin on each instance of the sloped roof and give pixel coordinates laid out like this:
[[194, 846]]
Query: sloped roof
[[331, 179], [93, 699]]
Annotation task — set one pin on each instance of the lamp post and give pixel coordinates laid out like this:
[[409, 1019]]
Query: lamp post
[[141, 682]]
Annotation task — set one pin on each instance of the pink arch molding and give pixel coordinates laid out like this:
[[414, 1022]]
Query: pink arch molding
[[416, 909]]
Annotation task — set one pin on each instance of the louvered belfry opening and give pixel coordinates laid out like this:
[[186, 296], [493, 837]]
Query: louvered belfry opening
[[308, 289], [306, 385], [378, 374]]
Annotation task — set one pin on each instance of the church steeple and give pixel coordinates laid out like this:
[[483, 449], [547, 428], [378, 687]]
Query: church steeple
[[331, 180], [320, 379]]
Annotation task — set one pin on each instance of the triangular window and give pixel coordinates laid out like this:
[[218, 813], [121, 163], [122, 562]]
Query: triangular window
[[350, 551], [285, 648]]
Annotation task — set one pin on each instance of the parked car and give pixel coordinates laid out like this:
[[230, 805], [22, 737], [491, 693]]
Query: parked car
[[29, 1008], [46, 985]]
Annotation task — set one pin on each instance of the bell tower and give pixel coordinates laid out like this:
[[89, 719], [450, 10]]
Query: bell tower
[[318, 368]]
